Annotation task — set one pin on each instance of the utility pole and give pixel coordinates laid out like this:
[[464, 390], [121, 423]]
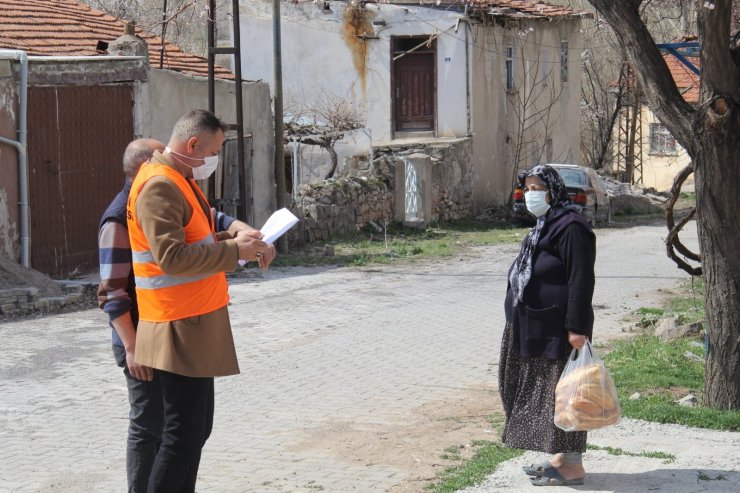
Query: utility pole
[[164, 33], [282, 242]]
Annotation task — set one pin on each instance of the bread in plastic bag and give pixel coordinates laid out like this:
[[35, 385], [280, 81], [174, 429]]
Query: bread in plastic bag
[[585, 397]]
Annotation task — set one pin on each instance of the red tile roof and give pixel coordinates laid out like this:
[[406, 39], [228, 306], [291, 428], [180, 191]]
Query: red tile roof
[[686, 80], [527, 9], [506, 8], [70, 28]]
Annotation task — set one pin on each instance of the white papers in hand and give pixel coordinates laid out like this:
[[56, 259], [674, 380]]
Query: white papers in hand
[[278, 223]]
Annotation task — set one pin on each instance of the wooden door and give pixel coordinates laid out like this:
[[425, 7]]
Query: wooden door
[[414, 91]]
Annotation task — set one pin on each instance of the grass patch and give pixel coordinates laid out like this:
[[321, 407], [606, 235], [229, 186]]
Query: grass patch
[[686, 200], [667, 458], [395, 243], [688, 308], [487, 456], [662, 373]]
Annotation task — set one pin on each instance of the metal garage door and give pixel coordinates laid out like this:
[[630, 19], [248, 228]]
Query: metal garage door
[[76, 139]]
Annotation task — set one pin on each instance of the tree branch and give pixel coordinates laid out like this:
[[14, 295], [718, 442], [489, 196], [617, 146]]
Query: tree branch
[[672, 238], [653, 74], [669, 219]]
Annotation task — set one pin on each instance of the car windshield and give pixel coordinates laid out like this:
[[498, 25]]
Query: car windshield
[[573, 177]]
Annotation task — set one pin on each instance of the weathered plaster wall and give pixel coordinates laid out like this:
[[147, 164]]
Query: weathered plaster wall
[[540, 108], [168, 95], [314, 162], [658, 171], [321, 53], [9, 213]]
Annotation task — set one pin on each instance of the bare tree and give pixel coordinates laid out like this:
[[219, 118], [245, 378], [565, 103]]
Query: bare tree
[[601, 102], [322, 123], [601, 97], [709, 135], [184, 21], [534, 105]]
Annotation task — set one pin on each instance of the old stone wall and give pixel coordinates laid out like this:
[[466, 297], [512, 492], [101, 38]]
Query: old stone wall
[[452, 174], [340, 206], [368, 193]]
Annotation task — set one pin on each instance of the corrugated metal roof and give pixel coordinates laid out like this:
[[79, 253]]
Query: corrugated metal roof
[[70, 28]]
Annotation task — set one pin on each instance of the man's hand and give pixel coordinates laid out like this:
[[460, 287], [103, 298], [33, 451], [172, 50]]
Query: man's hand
[[139, 372], [250, 247], [264, 260], [125, 329], [238, 226], [576, 340]]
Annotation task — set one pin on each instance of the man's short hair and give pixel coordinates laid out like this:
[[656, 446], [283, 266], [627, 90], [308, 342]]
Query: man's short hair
[[195, 123], [138, 152]]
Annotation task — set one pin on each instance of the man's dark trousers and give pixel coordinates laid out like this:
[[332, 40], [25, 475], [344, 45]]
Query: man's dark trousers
[[145, 426], [188, 421]]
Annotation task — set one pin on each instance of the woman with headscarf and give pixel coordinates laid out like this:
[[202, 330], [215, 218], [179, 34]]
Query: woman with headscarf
[[548, 312]]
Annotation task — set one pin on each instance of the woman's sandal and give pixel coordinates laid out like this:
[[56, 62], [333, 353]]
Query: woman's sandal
[[554, 478], [537, 469]]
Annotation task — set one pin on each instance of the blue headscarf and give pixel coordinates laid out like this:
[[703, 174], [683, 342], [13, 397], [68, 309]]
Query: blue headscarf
[[560, 203]]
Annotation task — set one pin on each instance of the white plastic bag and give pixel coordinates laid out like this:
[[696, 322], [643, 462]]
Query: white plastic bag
[[585, 397]]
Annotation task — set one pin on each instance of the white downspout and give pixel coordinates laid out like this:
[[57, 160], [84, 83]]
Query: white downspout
[[21, 146]]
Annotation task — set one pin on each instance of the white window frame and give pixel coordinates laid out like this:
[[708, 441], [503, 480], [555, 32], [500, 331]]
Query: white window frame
[[662, 142], [510, 82]]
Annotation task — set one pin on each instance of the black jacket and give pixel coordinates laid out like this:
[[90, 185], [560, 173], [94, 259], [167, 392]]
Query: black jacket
[[557, 298]]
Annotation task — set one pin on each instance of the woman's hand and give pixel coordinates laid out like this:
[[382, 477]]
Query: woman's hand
[[576, 340]]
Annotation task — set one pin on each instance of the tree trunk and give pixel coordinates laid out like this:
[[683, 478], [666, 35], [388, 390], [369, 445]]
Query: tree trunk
[[718, 208], [334, 160], [717, 126], [709, 135]]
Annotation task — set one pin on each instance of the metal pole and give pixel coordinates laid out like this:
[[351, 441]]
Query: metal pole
[[211, 56], [164, 32], [243, 206], [282, 242]]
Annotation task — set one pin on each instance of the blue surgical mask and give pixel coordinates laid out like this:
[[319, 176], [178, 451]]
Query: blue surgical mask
[[210, 163], [536, 201]]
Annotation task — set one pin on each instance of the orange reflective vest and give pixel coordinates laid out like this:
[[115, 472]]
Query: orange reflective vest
[[162, 297]]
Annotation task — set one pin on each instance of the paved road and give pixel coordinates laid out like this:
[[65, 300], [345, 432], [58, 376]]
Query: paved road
[[316, 347]]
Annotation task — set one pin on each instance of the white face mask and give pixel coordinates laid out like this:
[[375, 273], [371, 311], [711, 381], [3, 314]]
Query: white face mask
[[536, 202], [210, 163]]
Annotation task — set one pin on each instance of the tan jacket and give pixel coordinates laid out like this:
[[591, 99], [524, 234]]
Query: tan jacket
[[201, 346]]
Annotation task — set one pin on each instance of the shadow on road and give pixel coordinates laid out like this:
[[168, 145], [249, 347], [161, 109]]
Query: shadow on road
[[674, 480]]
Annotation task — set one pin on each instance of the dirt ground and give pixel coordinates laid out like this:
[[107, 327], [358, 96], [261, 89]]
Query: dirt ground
[[14, 275], [417, 441]]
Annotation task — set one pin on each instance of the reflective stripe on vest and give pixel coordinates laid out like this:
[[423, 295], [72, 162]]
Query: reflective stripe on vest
[[162, 297], [146, 257], [163, 280]]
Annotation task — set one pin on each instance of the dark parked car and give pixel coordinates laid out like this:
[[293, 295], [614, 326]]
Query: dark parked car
[[585, 189]]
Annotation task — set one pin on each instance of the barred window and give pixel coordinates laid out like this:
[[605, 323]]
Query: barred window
[[564, 61], [661, 140]]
